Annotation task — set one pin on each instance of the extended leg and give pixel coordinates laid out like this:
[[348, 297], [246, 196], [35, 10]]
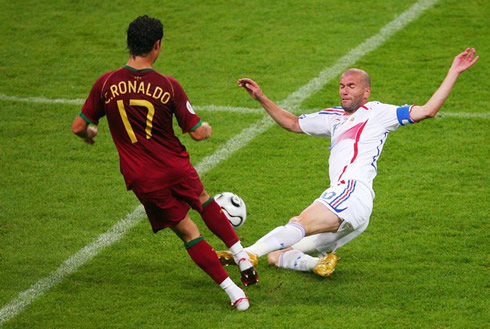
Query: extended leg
[[204, 256], [297, 257], [315, 219], [216, 221]]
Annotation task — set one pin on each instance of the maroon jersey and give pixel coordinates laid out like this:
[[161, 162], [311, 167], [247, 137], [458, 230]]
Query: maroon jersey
[[139, 105]]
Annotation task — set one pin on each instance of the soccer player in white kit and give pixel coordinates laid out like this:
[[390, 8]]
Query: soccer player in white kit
[[357, 130]]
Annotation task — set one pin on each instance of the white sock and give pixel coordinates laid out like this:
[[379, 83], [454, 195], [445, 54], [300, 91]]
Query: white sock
[[241, 257], [296, 260], [279, 238], [233, 291]]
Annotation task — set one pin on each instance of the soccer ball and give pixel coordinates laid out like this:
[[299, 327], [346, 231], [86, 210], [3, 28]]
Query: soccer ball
[[233, 207]]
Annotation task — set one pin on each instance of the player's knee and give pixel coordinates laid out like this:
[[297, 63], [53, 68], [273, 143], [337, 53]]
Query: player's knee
[[272, 259], [204, 197]]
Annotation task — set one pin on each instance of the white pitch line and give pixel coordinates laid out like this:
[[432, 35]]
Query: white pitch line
[[296, 98], [464, 115], [24, 299], [71, 265], [42, 100], [216, 108], [222, 108]]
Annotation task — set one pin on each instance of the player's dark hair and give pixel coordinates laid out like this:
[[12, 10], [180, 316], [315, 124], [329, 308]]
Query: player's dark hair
[[143, 32]]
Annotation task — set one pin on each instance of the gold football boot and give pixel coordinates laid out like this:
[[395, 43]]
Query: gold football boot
[[326, 265], [226, 258]]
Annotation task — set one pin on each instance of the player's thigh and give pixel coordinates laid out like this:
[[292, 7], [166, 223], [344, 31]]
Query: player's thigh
[[318, 219], [190, 190], [162, 208], [352, 201]]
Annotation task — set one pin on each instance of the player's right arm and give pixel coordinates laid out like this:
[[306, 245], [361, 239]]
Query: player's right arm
[[202, 132], [92, 111], [81, 128], [283, 118]]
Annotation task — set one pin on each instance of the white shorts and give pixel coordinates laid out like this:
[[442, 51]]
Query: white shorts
[[351, 200]]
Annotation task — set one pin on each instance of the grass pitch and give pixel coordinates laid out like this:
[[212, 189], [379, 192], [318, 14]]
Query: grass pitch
[[423, 261]]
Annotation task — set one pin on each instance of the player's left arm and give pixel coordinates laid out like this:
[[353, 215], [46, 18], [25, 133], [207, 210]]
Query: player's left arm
[[186, 117], [82, 129], [461, 63]]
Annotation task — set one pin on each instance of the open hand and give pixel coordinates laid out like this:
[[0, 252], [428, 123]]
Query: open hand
[[464, 61], [251, 87]]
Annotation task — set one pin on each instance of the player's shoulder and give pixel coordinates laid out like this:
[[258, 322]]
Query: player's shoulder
[[170, 80], [107, 74], [332, 111], [377, 107], [167, 77], [102, 80], [325, 114]]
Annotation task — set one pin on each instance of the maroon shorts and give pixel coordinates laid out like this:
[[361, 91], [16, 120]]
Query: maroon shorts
[[168, 206]]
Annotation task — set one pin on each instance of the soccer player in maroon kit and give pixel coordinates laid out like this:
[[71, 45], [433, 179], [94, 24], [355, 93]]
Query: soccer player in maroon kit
[[139, 104]]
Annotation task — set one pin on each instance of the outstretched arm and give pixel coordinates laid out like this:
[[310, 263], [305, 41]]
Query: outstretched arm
[[461, 63], [283, 118]]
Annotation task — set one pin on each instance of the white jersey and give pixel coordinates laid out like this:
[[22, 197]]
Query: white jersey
[[356, 139]]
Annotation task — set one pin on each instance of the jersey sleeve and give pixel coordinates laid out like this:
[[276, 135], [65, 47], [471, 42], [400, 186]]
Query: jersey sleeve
[[393, 116], [186, 117], [320, 123], [93, 108]]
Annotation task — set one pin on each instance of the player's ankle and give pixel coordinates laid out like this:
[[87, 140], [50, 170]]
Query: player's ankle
[[244, 264]]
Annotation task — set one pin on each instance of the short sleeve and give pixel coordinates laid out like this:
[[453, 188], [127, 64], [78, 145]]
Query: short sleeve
[[392, 116], [403, 115], [184, 113], [320, 123], [93, 108]]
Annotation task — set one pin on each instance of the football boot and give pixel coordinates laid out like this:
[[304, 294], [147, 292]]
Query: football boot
[[326, 265], [249, 276], [226, 258], [241, 304]]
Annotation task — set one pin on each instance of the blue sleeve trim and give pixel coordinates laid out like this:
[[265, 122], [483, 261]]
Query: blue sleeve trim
[[403, 115]]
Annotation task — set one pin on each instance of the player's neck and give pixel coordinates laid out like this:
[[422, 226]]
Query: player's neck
[[140, 63], [348, 112]]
